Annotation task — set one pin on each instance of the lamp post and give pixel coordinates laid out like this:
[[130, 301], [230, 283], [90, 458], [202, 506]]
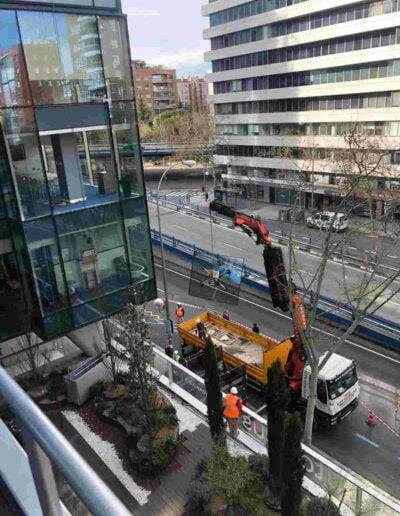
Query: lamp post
[[206, 174], [188, 163]]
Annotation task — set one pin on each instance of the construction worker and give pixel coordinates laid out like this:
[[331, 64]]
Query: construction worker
[[232, 409], [201, 329], [177, 357], [180, 313], [255, 328], [226, 315], [169, 350]]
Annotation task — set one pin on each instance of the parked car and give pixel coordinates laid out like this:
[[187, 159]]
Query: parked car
[[323, 220]]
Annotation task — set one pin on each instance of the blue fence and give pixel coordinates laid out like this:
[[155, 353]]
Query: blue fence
[[374, 328]]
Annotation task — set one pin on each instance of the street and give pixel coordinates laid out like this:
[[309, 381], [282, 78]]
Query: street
[[233, 242], [372, 452]]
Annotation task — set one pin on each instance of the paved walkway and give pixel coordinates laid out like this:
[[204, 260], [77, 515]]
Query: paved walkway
[[167, 493]]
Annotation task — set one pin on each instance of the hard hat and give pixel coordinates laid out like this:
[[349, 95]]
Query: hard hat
[[198, 320], [234, 390]]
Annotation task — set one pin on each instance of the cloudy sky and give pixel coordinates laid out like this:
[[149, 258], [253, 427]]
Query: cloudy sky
[[168, 32]]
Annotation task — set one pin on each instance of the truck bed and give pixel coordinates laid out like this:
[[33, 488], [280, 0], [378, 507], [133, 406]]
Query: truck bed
[[237, 346]]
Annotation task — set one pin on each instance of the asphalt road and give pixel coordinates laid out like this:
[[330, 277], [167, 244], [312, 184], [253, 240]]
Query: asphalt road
[[231, 241], [373, 453]]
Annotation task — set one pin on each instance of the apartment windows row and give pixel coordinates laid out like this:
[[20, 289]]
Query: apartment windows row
[[249, 9], [304, 23], [365, 101], [364, 41], [318, 129], [312, 77], [258, 151]]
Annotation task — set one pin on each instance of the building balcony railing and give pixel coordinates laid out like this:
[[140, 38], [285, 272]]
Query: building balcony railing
[[46, 446]]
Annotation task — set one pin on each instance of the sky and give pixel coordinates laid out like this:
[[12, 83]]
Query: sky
[[168, 32]]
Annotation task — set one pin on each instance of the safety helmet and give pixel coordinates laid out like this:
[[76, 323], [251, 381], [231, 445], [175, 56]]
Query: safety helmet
[[234, 390]]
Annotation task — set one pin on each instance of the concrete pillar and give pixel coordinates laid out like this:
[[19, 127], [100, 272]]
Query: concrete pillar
[[89, 339], [68, 167]]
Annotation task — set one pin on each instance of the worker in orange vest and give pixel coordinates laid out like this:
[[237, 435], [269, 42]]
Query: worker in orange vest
[[232, 411], [180, 313]]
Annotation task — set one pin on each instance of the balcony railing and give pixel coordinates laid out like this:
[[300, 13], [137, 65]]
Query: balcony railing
[[45, 447]]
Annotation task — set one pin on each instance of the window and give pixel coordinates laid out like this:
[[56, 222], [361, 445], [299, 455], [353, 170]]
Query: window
[[13, 77], [74, 74]]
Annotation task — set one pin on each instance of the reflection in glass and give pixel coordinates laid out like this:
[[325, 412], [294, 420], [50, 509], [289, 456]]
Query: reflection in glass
[[126, 143], [80, 168], [13, 78], [95, 262], [21, 138], [45, 260], [115, 51], [63, 57], [138, 238]]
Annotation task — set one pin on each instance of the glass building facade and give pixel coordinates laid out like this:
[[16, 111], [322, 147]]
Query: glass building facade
[[74, 224]]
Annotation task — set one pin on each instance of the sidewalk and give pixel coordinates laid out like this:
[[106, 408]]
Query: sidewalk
[[164, 496]]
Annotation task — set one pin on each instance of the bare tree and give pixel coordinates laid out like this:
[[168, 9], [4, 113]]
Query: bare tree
[[115, 354], [360, 162], [139, 354]]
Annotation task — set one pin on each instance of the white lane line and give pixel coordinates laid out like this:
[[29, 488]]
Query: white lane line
[[311, 255], [353, 248], [393, 257], [324, 332], [181, 227], [233, 246], [366, 440]]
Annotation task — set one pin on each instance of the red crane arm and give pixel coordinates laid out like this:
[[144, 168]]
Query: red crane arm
[[255, 226]]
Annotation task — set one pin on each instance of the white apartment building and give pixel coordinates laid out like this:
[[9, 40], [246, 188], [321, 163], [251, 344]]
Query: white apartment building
[[289, 74]]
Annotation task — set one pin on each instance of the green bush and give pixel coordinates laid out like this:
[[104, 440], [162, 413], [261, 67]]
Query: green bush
[[231, 479], [259, 466], [198, 497], [163, 454], [322, 507]]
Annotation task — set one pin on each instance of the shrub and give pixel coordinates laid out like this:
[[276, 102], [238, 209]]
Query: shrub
[[259, 466], [198, 497], [322, 507], [98, 388], [231, 479], [163, 454]]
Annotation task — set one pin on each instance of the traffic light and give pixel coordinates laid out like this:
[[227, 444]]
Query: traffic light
[[276, 275]]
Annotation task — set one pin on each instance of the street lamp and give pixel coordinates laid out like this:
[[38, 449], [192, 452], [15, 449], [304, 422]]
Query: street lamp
[[188, 163]]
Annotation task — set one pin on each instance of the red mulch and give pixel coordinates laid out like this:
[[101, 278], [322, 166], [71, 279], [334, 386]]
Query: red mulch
[[101, 428]]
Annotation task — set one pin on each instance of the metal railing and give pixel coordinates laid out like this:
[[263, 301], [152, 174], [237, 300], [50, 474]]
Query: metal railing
[[45, 445], [323, 474]]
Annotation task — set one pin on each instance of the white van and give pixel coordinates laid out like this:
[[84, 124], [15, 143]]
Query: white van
[[323, 220]]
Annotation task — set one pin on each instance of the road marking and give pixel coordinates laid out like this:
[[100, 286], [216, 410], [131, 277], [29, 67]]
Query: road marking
[[353, 248], [233, 246], [324, 332], [365, 439], [181, 227], [393, 257]]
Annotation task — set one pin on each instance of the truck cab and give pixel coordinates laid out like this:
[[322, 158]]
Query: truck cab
[[337, 391]]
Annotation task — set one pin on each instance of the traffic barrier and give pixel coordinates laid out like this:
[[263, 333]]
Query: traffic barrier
[[372, 420], [330, 311]]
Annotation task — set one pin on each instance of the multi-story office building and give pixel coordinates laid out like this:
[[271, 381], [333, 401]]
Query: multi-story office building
[[291, 74], [193, 93], [74, 232], [155, 87]]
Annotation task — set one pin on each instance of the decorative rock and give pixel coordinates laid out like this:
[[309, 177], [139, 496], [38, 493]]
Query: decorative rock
[[115, 392]]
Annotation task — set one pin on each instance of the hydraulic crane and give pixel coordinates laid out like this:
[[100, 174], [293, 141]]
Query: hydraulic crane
[[278, 286]]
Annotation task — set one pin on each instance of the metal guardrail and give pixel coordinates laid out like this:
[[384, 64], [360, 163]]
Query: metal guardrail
[[302, 243], [45, 445], [375, 328], [323, 474]]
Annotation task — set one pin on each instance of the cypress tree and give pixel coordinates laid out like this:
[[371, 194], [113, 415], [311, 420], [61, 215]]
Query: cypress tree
[[276, 397], [215, 409], [292, 466]]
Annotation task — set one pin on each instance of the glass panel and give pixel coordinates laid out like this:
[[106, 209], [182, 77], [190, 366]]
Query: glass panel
[[13, 78], [63, 57], [138, 238], [95, 261], [20, 133], [47, 273], [80, 169], [115, 51], [126, 143]]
